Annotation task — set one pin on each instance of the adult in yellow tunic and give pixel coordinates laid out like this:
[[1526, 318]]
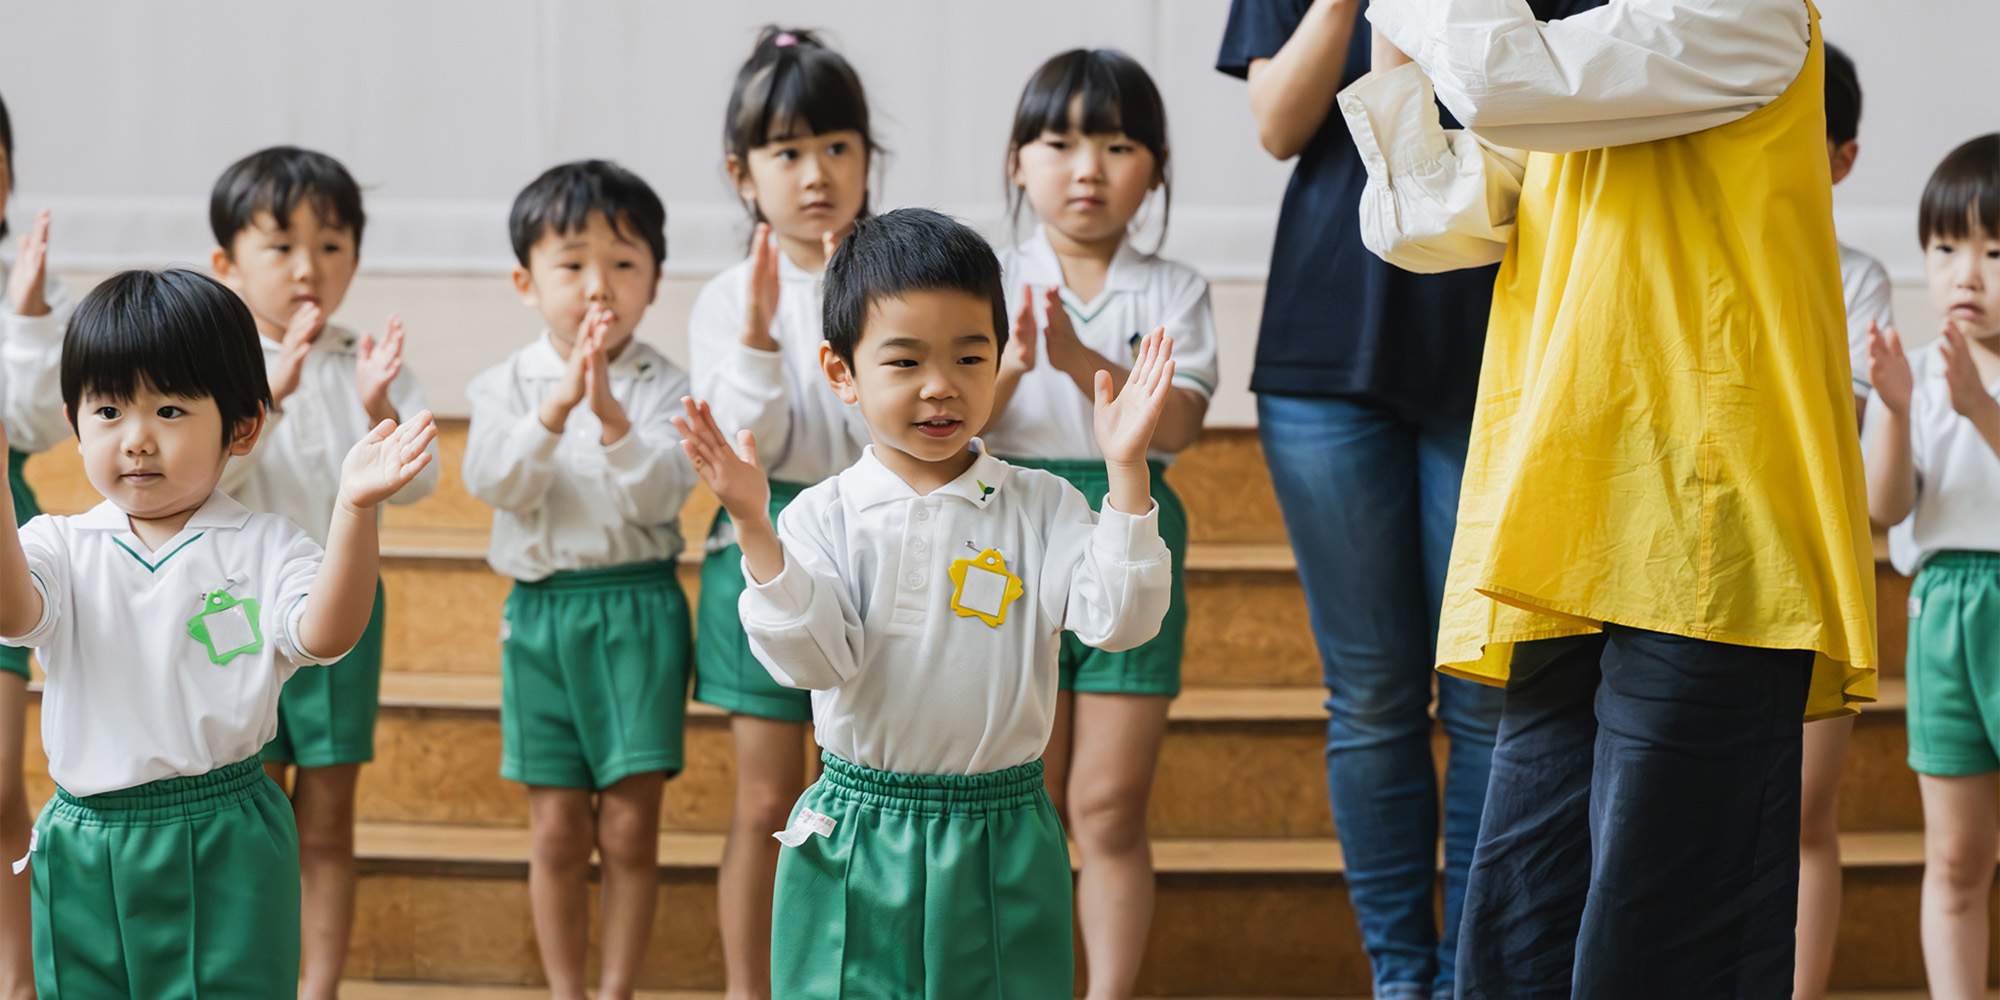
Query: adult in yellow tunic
[[1662, 547]]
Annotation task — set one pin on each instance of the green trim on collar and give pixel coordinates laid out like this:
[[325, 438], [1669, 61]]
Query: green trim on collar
[[152, 567]]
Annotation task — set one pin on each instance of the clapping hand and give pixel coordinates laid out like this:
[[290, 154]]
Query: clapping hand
[[762, 305], [300, 333], [1969, 395], [25, 284], [1889, 369], [377, 365], [733, 474]]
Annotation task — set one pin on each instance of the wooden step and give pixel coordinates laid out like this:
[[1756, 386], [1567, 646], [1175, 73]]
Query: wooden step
[[365, 990]]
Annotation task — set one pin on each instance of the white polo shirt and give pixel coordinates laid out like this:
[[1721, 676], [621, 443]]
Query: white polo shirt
[[804, 432], [295, 469], [133, 695], [565, 502], [1049, 415], [863, 613], [1864, 284], [31, 369], [1958, 475]]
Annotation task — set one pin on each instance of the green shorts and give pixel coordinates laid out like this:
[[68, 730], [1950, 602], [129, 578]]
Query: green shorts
[[326, 715], [186, 887], [594, 676], [1953, 665], [944, 886], [14, 659], [727, 675], [1155, 667]]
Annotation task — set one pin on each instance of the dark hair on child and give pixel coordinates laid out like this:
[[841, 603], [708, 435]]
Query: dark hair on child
[[276, 180], [6, 158], [1118, 96], [1964, 189], [1843, 97], [907, 250], [794, 86], [178, 332], [562, 199]]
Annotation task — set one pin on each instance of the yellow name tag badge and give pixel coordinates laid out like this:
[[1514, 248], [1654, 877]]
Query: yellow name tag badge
[[983, 588]]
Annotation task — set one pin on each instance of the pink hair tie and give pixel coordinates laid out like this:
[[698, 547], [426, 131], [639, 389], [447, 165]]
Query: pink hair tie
[[785, 38]]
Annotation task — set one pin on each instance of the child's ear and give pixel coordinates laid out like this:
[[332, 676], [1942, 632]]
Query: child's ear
[[739, 175], [223, 263], [839, 374], [1843, 156], [243, 437], [524, 286], [659, 277]]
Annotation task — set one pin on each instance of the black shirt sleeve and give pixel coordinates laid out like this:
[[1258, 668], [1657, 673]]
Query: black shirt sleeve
[[1257, 29]]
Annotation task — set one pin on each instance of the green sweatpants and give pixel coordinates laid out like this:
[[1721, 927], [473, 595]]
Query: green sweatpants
[[326, 714], [727, 675], [1953, 666], [928, 885], [14, 659], [181, 888]]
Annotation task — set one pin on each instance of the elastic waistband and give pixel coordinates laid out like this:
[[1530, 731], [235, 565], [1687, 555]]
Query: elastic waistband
[[179, 797], [1985, 562], [1010, 788], [605, 578]]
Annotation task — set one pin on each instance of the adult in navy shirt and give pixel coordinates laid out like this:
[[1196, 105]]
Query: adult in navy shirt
[[1365, 378]]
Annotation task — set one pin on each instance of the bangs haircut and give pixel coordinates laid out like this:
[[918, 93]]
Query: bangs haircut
[[793, 90], [563, 198], [907, 250], [176, 332], [1843, 97], [1118, 96], [6, 159], [276, 180], [1963, 192]]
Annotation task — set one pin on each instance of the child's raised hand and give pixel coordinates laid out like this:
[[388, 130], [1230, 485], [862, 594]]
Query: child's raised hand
[[1961, 373], [25, 284], [573, 386], [1889, 369], [1125, 424], [1063, 346], [377, 365], [762, 306], [304, 328], [610, 413], [386, 460], [1021, 338], [734, 474]]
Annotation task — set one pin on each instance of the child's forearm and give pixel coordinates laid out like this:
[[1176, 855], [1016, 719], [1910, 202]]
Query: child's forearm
[[1131, 487], [763, 553], [20, 602], [1892, 471], [343, 593]]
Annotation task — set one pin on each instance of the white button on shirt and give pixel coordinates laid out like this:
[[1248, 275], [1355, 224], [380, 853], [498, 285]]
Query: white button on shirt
[[862, 613], [804, 432], [31, 369], [1049, 416], [1629, 71], [1958, 475], [566, 501], [132, 697], [295, 468]]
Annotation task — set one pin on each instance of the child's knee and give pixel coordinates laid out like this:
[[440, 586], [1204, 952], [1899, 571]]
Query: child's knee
[[1961, 866], [1108, 818], [562, 835]]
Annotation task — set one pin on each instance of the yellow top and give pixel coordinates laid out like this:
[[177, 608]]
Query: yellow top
[[1665, 432]]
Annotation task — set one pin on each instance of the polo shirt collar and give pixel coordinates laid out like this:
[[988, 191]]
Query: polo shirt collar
[[870, 482], [218, 511], [1040, 267]]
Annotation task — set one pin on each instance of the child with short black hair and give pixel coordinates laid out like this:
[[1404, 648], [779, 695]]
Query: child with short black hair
[[1934, 473], [167, 619], [287, 225], [32, 315], [1864, 281], [797, 144], [920, 595], [571, 443]]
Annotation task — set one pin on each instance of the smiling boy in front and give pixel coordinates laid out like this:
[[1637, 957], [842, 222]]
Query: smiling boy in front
[[920, 596]]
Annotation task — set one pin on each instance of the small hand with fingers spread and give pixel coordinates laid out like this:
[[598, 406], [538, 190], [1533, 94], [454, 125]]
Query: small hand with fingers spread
[[1969, 395], [376, 365], [733, 474], [762, 306], [1889, 369], [304, 328], [386, 460], [29, 278], [1125, 424]]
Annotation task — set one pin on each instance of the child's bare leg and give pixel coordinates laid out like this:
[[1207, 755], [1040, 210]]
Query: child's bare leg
[[562, 829], [770, 773], [323, 804], [17, 956], [1819, 856], [628, 851], [1056, 756], [1960, 841], [1114, 749]]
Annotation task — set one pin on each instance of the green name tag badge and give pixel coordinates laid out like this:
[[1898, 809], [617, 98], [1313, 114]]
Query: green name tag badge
[[227, 626]]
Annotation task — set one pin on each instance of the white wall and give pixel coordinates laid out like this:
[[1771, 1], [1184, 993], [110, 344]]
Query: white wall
[[125, 111]]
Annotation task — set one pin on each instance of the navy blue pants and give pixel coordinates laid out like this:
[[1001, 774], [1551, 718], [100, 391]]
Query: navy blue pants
[[1641, 836]]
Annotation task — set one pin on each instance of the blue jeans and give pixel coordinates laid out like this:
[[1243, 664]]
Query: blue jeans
[[1642, 836], [1370, 498]]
